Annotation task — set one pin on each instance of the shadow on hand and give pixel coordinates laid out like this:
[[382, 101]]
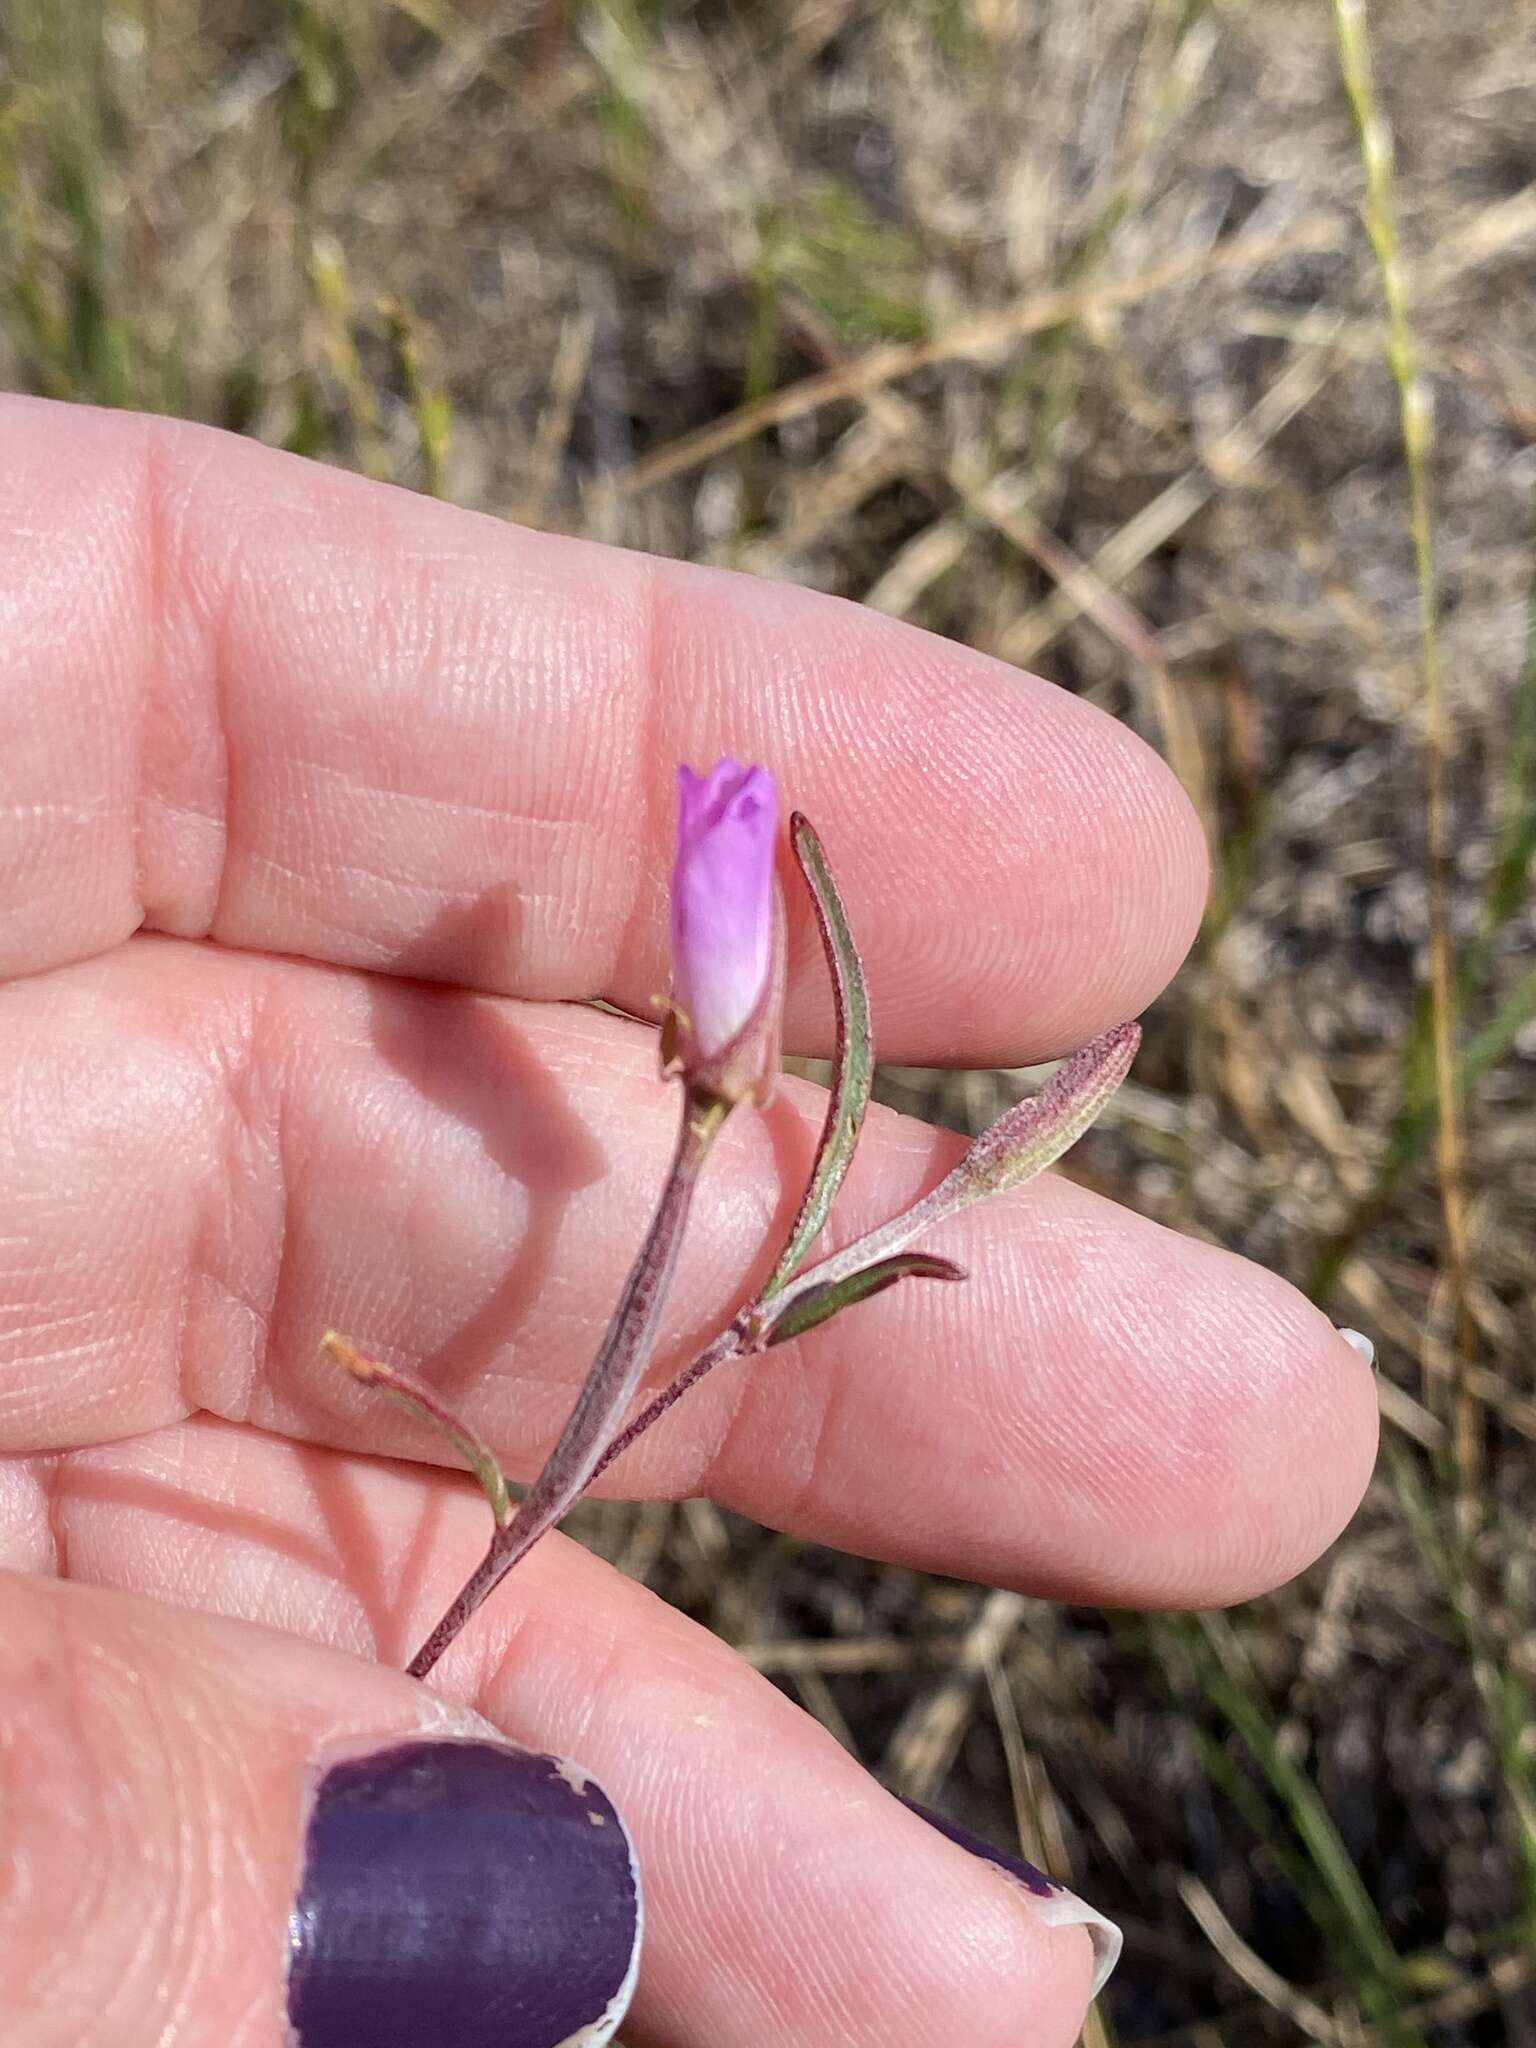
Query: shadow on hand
[[330, 1532], [468, 1055]]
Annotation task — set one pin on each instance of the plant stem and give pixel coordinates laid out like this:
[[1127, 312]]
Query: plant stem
[[610, 1384], [1023, 1141], [731, 1343]]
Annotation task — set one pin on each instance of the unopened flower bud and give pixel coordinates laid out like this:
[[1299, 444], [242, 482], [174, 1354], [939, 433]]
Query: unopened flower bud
[[723, 1032]]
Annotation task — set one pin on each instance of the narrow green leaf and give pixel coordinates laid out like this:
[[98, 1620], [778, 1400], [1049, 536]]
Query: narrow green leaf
[[1034, 1133], [853, 1070], [822, 1303], [1514, 848], [1023, 1142]]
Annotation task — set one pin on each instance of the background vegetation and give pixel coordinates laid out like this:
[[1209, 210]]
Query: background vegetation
[[1103, 335]]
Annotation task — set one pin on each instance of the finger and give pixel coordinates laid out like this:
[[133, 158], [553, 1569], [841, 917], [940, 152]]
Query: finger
[[787, 1897], [214, 1158], [169, 1778], [257, 699]]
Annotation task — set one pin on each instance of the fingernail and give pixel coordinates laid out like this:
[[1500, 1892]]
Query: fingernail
[[1051, 1903], [463, 1891], [1358, 1341]]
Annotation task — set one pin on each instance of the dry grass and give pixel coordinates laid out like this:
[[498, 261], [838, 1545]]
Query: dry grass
[[1054, 328]]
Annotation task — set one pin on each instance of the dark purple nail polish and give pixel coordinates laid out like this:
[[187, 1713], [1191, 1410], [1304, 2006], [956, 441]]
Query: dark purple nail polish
[[1049, 1901], [1032, 1880], [463, 1892]]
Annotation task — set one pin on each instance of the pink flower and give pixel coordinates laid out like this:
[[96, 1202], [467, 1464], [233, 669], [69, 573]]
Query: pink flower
[[724, 967]]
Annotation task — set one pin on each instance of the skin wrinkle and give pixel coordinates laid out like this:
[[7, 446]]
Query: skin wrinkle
[[1095, 1462], [429, 801], [100, 1677], [220, 630], [140, 1769], [603, 1679], [25, 1663], [416, 650], [706, 1879], [195, 1861], [58, 1535], [150, 525], [376, 957], [26, 1537], [243, 738], [254, 1089], [182, 1363], [734, 1387], [817, 1985], [826, 1394], [200, 615]]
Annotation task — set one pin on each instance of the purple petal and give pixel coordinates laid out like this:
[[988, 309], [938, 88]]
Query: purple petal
[[722, 899]]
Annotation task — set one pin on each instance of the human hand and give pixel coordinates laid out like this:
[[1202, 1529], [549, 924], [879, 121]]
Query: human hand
[[278, 748]]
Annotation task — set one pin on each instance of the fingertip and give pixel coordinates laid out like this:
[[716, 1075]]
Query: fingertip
[[1126, 913], [1310, 1443], [1279, 1438], [1064, 1949], [1046, 1899], [1346, 1430]]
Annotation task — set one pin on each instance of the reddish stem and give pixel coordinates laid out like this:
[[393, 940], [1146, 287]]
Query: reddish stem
[[729, 1344], [610, 1385]]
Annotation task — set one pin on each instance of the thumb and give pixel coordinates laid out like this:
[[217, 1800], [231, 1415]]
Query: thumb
[[218, 1833]]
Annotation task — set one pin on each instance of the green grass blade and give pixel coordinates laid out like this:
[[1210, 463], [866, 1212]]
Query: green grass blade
[[1509, 1702], [1515, 843], [1415, 1128], [1381, 1973]]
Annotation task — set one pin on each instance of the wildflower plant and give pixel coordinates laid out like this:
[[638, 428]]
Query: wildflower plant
[[721, 1042], [721, 1039]]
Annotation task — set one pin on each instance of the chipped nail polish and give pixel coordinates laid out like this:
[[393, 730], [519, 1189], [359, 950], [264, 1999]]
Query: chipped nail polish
[[463, 1891], [1050, 1902]]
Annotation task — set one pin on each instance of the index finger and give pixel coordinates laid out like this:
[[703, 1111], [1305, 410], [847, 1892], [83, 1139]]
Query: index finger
[[256, 699]]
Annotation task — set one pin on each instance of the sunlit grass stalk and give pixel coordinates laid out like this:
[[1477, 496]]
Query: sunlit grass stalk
[[1379, 214], [431, 409], [333, 296], [1487, 1046], [1503, 896]]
